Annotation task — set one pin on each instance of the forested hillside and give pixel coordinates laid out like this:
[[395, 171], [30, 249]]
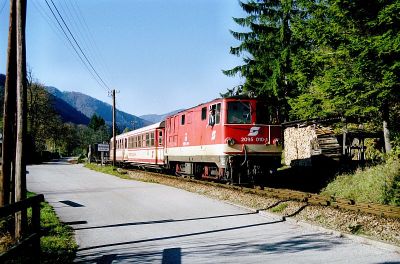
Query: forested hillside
[[90, 106]]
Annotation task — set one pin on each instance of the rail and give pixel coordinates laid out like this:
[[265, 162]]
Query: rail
[[31, 239], [316, 199], [308, 198]]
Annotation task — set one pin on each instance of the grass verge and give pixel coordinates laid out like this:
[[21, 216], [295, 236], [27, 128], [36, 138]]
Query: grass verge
[[57, 243], [107, 169], [378, 184]]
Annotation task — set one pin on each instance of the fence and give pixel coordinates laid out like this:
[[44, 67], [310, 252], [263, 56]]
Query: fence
[[31, 238]]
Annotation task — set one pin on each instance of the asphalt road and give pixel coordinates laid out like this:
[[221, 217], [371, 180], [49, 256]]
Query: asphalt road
[[123, 221]]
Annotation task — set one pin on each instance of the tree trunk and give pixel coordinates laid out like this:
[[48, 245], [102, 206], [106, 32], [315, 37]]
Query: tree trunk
[[386, 132]]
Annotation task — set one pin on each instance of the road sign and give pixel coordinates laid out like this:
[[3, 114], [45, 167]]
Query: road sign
[[103, 147]]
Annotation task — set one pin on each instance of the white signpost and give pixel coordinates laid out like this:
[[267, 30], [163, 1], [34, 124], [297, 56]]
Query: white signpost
[[103, 148]]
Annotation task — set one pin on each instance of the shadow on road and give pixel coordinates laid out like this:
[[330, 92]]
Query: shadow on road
[[162, 221], [200, 250], [179, 236]]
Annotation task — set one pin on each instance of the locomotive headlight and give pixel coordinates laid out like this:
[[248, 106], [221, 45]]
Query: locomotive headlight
[[230, 141]]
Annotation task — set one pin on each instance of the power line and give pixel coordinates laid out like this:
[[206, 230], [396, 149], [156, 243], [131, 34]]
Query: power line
[[2, 7], [70, 42], [83, 53], [48, 20], [86, 29]]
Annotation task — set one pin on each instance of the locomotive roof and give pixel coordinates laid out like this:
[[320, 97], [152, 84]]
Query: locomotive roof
[[216, 99], [143, 129]]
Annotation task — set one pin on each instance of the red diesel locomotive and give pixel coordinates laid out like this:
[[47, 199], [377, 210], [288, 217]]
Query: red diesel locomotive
[[228, 139]]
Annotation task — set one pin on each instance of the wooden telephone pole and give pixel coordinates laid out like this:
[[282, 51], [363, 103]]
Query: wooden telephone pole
[[20, 164], [9, 113], [13, 181], [114, 129]]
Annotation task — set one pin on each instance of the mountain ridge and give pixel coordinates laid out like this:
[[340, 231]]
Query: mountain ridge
[[155, 118], [89, 106]]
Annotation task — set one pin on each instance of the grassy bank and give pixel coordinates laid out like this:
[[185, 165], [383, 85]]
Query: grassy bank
[[377, 184], [57, 242], [106, 169]]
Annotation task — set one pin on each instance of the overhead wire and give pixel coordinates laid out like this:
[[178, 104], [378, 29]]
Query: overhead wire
[[2, 7], [83, 53], [72, 45], [46, 17], [70, 17], [84, 34], [82, 21]]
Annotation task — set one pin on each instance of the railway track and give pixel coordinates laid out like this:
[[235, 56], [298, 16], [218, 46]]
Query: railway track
[[305, 197]]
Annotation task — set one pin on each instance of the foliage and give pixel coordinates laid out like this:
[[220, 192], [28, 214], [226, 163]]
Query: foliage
[[313, 58], [96, 122], [266, 49], [44, 124], [279, 208], [57, 243], [47, 132], [348, 63], [379, 184], [108, 170]]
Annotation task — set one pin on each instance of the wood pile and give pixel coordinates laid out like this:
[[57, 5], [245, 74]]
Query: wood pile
[[303, 143]]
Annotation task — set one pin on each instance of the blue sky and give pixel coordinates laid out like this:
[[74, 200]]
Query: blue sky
[[160, 55]]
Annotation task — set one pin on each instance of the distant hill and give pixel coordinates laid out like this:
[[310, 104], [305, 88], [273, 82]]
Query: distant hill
[[158, 118], [89, 106], [67, 112]]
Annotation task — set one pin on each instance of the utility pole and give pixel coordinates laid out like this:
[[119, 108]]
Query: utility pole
[[6, 184], [113, 129], [20, 164]]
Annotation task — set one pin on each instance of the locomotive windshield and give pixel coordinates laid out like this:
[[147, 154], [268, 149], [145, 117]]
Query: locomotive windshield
[[239, 113]]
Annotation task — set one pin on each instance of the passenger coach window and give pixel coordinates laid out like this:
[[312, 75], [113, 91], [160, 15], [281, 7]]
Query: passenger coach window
[[152, 139], [160, 138], [183, 120], [147, 140], [239, 113]]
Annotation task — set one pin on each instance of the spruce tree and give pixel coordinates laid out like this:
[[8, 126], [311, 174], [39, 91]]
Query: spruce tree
[[266, 49]]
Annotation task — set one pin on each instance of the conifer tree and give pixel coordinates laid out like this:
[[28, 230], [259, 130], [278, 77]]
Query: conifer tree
[[266, 49]]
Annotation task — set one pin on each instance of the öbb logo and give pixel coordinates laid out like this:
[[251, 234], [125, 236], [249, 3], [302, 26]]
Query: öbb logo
[[254, 131]]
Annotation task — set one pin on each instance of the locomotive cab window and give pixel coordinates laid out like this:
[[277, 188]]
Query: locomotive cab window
[[239, 112], [203, 113], [214, 116], [183, 120]]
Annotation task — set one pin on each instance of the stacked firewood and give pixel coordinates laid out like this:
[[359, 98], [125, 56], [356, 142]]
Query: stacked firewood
[[302, 143]]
